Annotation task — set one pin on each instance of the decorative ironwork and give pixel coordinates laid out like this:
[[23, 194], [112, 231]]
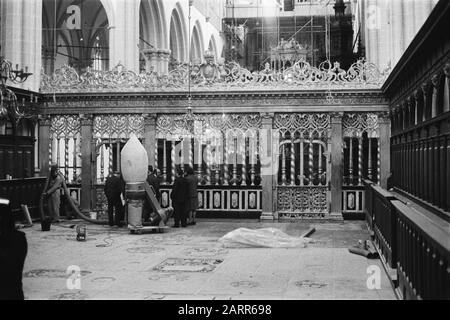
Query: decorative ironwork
[[287, 52], [310, 123], [169, 125], [299, 202], [218, 76], [9, 108], [65, 126], [355, 124], [118, 126]]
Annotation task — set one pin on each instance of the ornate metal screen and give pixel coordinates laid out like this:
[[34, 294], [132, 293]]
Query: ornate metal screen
[[304, 170], [361, 157], [223, 151], [64, 148], [110, 133]]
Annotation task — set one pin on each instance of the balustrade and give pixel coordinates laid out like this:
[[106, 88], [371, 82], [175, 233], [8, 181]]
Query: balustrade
[[414, 243]]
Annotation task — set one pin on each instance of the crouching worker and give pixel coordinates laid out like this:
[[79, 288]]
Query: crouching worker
[[13, 251]]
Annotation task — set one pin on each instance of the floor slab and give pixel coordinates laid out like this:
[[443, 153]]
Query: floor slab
[[115, 264]]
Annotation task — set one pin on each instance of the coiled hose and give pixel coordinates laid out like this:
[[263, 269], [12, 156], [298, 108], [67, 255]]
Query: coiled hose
[[69, 199]]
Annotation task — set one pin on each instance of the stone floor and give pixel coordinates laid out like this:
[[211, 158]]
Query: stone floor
[[189, 263]]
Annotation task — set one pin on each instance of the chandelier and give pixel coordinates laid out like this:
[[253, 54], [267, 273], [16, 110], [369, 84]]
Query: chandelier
[[10, 109]]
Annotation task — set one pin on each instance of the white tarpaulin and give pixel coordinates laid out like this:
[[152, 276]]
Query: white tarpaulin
[[266, 238]]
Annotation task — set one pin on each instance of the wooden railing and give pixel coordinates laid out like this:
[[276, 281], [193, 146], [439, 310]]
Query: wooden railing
[[424, 253], [23, 191], [416, 245]]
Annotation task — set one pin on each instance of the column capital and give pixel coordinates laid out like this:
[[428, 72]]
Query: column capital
[[86, 119], [383, 116], [435, 79], [44, 120], [336, 117], [447, 69], [417, 94], [426, 86], [410, 102], [149, 118], [267, 118]]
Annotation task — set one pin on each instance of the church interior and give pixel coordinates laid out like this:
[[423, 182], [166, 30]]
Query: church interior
[[288, 113]]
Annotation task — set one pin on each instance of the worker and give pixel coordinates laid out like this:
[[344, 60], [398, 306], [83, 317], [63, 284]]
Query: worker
[[53, 192], [113, 190]]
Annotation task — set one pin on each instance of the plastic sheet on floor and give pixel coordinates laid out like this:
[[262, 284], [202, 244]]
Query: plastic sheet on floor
[[262, 238]]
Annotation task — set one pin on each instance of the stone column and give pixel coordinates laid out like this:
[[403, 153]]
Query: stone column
[[21, 37], [408, 22], [124, 34], [398, 36], [426, 112], [156, 60], [268, 156], [447, 88], [150, 138], [87, 163], [385, 144], [45, 123], [416, 97], [337, 164], [435, 89]]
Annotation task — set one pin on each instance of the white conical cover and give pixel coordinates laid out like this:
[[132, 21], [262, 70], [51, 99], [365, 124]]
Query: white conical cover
[[134, 161]]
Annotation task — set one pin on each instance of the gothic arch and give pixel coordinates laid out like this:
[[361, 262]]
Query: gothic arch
[[212, 46], [197, 48], [74, 47], [152, 25], [178, 36]]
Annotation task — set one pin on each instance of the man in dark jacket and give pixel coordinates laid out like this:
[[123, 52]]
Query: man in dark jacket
[[113, 190], [13, 251], [153, 180], [193, 197], [180, 199]]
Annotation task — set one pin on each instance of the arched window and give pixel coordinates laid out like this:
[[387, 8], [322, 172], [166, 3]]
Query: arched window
[[76, 33]]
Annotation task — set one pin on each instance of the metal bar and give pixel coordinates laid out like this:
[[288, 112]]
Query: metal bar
[[172, 159], [311, 161], [164, 168], [118, 155], [302, 158], [283, 164], [225, 161], [235, 161], [111, 155], [102, 169], [200, 159], [74, 159], [369, 160], [156, 153], [360, 160], [208, 162], [244, 163], [350, 161], [292, 162], [66, 157]]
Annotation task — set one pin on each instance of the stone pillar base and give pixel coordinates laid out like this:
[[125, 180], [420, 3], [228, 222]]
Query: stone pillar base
[[335, 216], [267, 216]]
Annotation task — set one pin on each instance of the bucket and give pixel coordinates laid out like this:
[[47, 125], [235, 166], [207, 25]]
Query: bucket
[[45, 224], [93, 215]]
